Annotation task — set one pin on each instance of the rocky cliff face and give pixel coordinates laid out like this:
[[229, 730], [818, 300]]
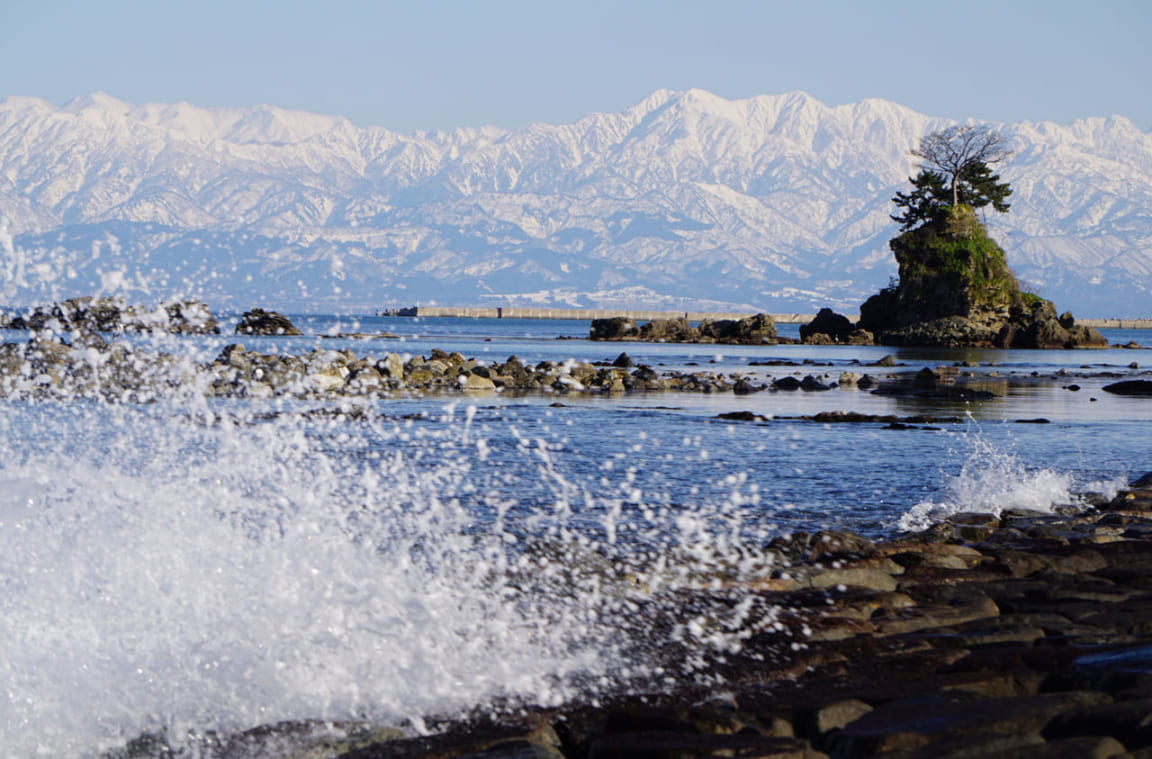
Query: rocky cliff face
[[956, 289]]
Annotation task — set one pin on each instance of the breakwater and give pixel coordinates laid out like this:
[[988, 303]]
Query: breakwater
[[470, 312], [1116, 323], [586, 314]]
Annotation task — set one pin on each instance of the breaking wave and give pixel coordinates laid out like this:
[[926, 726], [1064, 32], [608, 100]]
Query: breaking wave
[[993, 479]]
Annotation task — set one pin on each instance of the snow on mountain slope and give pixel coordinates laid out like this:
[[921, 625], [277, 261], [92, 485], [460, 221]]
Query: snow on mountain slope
[[685, 200]]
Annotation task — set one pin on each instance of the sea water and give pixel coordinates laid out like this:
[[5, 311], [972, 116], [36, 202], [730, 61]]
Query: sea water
[[202, 565]]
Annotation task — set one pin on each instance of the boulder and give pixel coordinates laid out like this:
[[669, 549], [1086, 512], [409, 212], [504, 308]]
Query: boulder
[[819, 338], [811, 383], [786, 383], [758, 329], [829, 323], [105, 314], [1130, 387], [613, 328], [268, 323], [391, 366], [476, 383], [623, 361], [668, 331]]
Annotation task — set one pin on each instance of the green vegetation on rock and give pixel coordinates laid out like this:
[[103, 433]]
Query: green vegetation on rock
[[955, 287]]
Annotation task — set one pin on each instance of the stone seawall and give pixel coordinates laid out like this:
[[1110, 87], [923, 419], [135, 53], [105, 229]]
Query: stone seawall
[[1116, 323], [585, 314]]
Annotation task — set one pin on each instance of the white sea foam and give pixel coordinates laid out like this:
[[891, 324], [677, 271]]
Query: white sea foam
[[165, 573], [992, 480]]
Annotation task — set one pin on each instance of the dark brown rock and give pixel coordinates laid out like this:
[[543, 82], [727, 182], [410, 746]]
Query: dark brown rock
[[913, 723], [1130, 722], [662, 745], [268, 323], [741, 416], [1130, 387], [827, 322], [668, 331]]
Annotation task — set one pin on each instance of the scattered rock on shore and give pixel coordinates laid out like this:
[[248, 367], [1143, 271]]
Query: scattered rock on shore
[[753, 330], [103, 314]]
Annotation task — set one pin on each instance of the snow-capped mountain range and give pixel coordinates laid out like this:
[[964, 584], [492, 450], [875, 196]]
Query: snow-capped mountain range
[[684, 201]]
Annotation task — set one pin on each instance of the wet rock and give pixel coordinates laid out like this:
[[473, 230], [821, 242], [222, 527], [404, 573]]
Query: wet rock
[[873, 579], [813, 722], [823, 546], [753, 330], [476, 383], [741, 416], [1130, 722], [668, 331], [743, 387], [613, 328], [912, 723], [861, 337], [759, 329], [786, 383], [623, 361], [835, 327], [190, 317], [106, 314], [391, 366], [1130, 387], [819, 338], [812, 384], [268, 323], [657, 745]]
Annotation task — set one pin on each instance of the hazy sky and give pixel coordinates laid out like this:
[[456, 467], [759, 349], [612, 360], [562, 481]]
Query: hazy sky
[[432, 65]]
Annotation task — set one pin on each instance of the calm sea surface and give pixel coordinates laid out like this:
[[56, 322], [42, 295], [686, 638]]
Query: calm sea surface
[[205, 564]]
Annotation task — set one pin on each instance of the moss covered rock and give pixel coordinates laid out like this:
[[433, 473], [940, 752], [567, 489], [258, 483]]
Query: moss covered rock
[[956, 289]]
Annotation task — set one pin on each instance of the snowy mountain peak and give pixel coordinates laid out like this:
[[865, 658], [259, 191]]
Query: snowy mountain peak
[[97, 101], [686, 199]]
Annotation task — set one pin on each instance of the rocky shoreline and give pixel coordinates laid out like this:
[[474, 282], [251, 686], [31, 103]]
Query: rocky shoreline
[[89, 367], [1022, 634]]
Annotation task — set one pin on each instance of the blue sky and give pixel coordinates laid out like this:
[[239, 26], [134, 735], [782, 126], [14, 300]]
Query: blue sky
[[433, 65]]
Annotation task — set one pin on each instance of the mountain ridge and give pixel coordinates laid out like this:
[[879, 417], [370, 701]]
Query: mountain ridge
[[684, 200]]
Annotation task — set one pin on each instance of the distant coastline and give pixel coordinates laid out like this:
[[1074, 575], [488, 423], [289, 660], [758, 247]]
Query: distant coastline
[[484, 312]]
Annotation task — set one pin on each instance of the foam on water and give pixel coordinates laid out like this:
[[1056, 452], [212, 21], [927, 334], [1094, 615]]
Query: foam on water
[[163, 571], [993, 479]]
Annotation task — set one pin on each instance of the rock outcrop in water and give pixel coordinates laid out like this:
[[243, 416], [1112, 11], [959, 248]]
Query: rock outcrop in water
[[269, 323], [88, 366], [114, 371], [102, 314], [956, 290], [752, 330], [831, 328]]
